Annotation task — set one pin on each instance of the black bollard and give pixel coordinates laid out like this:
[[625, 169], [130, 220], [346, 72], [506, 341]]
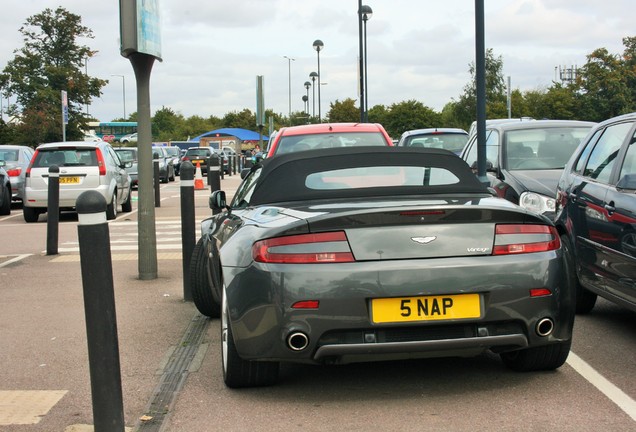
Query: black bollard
[[99, 308], [155, 167], [188, 236], [53, 211], [216, 174]]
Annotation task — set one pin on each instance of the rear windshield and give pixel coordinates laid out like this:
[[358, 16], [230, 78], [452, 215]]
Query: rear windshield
[[65, 157], [9, 155], [447, 141], [126, 155], [198, 152], [295, 143]]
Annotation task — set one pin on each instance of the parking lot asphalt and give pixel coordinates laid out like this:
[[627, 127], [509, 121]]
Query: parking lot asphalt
[[44, 379]]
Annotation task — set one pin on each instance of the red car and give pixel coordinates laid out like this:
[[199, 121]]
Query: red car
[[327, 135]]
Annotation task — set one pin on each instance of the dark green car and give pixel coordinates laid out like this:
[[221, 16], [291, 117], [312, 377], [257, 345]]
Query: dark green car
[[377, 253]]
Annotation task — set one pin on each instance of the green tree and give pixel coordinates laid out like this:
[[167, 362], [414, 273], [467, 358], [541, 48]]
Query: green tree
[[50, 61], [603, 81], [245, 119], [165, 124], [409, 115], [378, 114], [465, 108], [344, 111]]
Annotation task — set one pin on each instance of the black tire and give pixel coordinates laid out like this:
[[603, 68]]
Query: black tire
[[30, 214], [546, 357], [585, 300], [5, 209], [111, 209], [126, 207], [205, 295], [237, 372]]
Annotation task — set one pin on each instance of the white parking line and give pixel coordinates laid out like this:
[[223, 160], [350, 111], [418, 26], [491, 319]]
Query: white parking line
[[616, 395], [12, 260]]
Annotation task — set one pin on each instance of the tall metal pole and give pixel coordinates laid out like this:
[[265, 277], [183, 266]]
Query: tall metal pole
[[366, 15], [480, 84], [313, 76], [147, 237], [318, 46], [289, 60], [361, 65]]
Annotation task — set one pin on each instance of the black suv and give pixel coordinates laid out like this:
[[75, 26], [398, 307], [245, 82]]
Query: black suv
[[596, 206]]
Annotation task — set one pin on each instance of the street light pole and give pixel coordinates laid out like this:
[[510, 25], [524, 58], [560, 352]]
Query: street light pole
[[123, 82], [318, 46], [361, 62], [313, 76], [307, 85], [289, 60], [366, 15]]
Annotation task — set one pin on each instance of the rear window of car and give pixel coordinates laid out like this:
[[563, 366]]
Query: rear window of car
[[9, 155], [447, 141], [126, 155], [380, 176], [198, 152], [295, 143], [65, 157]]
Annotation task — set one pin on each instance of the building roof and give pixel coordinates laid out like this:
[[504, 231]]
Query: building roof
[[241, 134]]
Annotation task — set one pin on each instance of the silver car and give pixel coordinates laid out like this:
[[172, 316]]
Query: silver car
[[16, 160], [83, 166]]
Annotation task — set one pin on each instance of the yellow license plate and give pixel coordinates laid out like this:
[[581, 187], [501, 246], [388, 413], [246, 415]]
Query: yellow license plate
[[425, 308], [69, 180], [197, 160]]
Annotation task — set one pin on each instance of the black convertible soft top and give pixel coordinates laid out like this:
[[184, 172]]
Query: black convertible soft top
[[282, 178]]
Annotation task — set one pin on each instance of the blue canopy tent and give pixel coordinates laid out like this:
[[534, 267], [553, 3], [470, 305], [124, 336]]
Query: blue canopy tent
[[241, 134]]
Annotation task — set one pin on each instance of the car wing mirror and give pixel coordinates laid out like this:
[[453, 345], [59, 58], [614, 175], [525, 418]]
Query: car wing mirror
[[628, 181], [245, 172], [2, 163], [127, 164], [218, 200]]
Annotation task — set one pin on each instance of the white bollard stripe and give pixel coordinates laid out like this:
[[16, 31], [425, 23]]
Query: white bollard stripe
[[187, 183], [91, 218], [54, 174]]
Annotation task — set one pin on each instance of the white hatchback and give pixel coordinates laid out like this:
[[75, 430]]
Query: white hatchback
[[83, 166]]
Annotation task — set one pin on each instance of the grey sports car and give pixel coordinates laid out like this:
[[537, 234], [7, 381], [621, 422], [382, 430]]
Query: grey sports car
[[372, 253]]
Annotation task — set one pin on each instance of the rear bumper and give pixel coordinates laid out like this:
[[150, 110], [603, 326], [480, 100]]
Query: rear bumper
[[68, 198], [342, 329]]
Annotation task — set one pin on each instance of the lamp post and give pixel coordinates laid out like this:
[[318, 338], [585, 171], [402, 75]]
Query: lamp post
[[306, 99], [361, 62], [366, 12], [289, 60], [318, 46], [313, 76], [123, 83]]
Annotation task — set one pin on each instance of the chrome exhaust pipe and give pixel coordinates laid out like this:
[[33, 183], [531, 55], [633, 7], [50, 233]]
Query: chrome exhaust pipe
[[297, 341], [544, 327]]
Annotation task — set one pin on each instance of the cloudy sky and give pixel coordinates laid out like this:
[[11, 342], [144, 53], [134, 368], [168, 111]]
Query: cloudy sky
[[417, 49]]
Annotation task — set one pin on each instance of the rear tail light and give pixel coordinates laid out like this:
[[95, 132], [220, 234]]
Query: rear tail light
[[28, 170], [100, 162], [14, 172], [319, 248], [518, 239]]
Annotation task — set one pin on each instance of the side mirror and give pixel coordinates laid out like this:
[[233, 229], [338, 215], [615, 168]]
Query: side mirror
[[2, 163], [628, 181], [127, 164], [245, 172], [218, 200]]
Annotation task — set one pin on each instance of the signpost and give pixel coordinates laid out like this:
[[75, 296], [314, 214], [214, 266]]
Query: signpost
[[141, 44]]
